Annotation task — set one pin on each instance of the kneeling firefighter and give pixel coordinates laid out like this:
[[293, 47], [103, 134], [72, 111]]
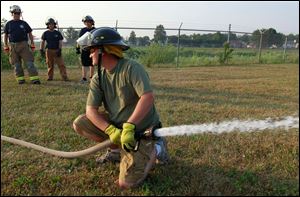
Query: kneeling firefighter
[[123, 87]]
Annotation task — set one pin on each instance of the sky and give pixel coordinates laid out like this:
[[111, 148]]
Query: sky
[[244, 16]]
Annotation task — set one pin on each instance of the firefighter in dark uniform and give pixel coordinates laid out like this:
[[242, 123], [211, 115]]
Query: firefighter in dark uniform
[[53, 50], [86, 61], [17, 32]]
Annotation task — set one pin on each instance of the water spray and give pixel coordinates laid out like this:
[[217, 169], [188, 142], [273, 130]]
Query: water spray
[[286, 123]]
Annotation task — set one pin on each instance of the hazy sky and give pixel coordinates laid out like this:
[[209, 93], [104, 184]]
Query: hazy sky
[[243, 16]]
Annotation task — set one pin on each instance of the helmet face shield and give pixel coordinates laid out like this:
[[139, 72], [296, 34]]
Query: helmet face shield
[[85, 40], [101, 36]]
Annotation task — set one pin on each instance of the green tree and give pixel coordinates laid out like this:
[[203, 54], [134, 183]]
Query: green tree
[[185, 40], [270, 37], [143, 41], [197, 39], [172, 39], [245, 38], [160, 35], [273, 38], [218, 39], [255, 38], [132, 38], [71, 35]]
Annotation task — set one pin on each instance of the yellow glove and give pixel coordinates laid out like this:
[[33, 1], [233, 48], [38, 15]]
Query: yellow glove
[[127, 137], [114, 134]]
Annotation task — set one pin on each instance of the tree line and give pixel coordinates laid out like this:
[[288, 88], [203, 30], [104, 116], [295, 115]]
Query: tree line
[[269, 37]]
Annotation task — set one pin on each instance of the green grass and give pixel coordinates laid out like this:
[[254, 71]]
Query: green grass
[[237, 164]]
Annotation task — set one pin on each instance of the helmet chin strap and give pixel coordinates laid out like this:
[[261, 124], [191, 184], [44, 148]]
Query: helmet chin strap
[[99, 65]]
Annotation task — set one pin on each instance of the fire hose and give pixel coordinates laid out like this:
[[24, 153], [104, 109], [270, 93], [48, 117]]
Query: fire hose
[[71, 155], [63, 154]]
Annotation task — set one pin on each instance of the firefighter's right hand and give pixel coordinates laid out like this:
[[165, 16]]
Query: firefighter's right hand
[[128, 141], [114, 134], [58, 52], [6, 49], [77, 50], [42, 53]]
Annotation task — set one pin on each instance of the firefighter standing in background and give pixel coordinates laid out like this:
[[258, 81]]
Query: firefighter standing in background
[[17, 32], [53, 50], [86, 61]]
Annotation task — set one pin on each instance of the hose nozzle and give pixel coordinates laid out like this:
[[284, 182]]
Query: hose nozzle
[[147, 134]]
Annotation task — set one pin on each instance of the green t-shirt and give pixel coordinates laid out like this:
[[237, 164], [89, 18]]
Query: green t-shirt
[[122, 88]]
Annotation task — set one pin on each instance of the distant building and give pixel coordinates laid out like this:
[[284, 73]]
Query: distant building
[[291, 44], [251, 46], [237, 44]]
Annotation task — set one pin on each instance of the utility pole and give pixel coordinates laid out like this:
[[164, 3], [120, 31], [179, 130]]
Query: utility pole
[[228, 38], [178, 43]]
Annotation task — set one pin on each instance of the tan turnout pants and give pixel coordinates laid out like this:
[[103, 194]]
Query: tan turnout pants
[[134, 166], [51, 59]]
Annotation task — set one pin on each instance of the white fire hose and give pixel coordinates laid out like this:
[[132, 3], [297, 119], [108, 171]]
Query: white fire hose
[[64, 154]]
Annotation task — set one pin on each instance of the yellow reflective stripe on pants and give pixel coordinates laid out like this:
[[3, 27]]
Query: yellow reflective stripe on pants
[[20, 78], [34, 78]]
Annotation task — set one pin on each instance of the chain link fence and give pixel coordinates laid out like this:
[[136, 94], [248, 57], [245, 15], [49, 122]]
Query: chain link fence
[[188, 47]]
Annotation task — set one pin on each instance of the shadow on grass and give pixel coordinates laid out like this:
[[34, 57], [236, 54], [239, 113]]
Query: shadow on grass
[[180, 177], [186, 178]]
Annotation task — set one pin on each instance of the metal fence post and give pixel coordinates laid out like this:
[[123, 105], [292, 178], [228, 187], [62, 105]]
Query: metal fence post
[[228, 38], [178, 44], [284, 49]]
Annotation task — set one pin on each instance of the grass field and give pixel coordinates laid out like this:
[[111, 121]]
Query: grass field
[[257, 163]]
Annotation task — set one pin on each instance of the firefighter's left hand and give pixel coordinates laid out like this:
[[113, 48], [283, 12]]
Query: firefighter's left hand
[[114, 134], [58, 52], [32, 47], [127, 137]]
